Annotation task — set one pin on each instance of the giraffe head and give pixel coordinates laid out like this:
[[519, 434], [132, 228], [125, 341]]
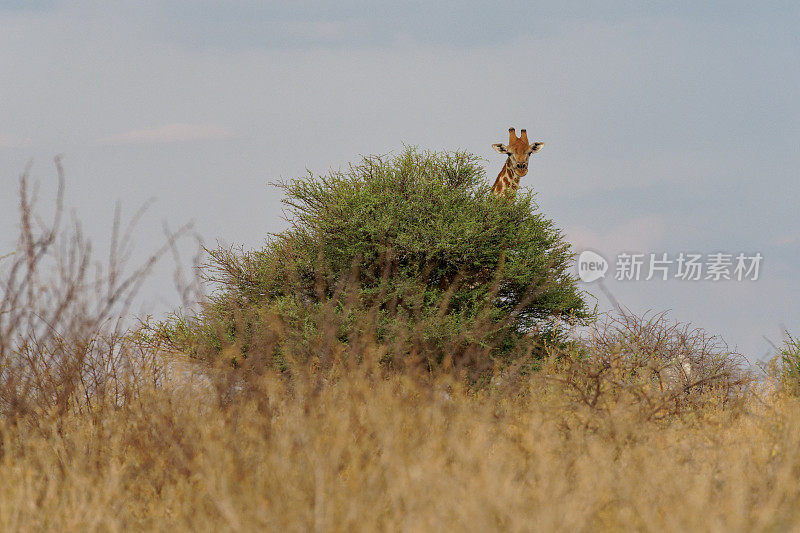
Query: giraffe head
[[518, 151]]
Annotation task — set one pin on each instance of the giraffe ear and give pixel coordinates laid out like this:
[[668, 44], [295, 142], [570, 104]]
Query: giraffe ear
[[500, 147], [535, 147]]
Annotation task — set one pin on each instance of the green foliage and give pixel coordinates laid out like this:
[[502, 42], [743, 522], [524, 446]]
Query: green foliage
[[413, 251], [790, 364]]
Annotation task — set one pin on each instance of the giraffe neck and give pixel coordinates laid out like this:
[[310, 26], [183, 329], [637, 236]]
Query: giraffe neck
[[507, 179]]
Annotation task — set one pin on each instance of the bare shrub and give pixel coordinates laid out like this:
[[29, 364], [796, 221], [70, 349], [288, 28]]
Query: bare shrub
[[63, 338], [665, 368]]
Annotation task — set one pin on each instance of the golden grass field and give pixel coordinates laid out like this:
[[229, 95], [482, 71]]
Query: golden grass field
[[359, 451]]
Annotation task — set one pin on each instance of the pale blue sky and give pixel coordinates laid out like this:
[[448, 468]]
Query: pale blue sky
[[669, 128]]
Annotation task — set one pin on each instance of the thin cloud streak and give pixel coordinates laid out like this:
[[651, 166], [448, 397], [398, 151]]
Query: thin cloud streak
[[641, 235], [169, 133], [10, 141]]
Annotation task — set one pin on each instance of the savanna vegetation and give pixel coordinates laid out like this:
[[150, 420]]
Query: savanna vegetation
[[411, 354]]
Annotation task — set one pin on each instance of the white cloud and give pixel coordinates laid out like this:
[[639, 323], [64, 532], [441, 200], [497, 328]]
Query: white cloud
[[168, 133]]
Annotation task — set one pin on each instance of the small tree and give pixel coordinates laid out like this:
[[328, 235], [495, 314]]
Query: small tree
[[788, 364], [412, 247]]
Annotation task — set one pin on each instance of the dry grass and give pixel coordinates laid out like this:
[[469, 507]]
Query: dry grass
[[99, 431], [365, 452]]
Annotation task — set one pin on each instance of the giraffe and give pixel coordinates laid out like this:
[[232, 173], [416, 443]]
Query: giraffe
[[518, 151]]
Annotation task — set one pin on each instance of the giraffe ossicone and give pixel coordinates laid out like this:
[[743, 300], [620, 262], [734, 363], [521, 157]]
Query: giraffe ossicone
[[519, 152]]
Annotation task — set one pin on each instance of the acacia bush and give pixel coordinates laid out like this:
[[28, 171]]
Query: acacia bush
[[412, 251]]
